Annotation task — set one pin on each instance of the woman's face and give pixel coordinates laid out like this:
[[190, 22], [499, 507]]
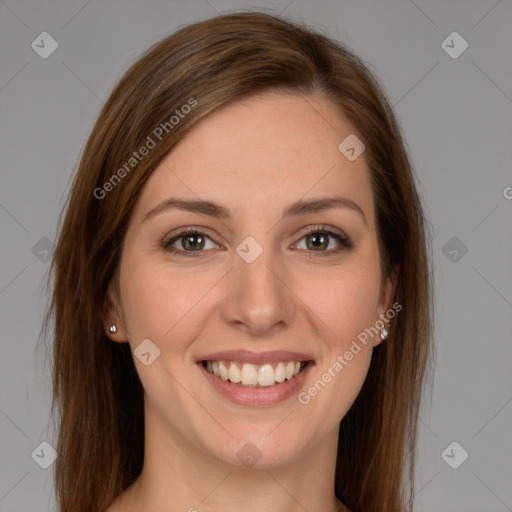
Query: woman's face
[[253, 288]]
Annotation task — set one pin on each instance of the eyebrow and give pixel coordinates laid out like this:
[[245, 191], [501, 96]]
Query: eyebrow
[[218, 211]]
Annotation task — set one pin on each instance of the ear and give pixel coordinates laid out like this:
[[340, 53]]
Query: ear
[[113, 316], [388, 290], [386, 295]]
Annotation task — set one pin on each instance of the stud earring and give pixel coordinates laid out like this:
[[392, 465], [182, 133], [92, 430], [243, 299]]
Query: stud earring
[[384, 333], [112, 329]]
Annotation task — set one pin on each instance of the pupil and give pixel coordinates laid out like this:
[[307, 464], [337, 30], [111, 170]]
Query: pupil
[[189, 244], [318, 240]]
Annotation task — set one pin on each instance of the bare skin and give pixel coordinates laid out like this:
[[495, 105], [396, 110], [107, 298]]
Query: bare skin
[[256, 157]]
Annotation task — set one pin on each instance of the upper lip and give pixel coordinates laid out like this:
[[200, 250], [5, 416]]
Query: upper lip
[[256, 358]]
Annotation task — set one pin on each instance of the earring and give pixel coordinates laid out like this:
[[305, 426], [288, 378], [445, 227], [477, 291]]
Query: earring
[[384, 333], [112, 329]]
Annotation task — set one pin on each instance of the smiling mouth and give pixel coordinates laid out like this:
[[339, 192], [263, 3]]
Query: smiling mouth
[[255, 376]]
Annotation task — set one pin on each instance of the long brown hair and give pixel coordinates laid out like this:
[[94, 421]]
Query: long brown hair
[[97, 396]]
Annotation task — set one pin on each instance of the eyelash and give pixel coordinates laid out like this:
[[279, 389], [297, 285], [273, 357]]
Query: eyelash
[[343, 241]]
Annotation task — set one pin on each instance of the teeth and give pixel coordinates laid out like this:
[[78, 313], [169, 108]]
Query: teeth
[[266, 375], [234, 373], [251, 375], [289, 370], [280, 373], [224, 372]]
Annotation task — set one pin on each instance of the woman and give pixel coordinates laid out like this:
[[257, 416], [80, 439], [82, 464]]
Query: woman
[[242, 297]]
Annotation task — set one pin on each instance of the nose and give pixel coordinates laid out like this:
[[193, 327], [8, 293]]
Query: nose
[[260, 301]]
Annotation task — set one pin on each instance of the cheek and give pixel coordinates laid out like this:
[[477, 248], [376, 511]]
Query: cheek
[[157, 301], [345, 309], [151, 304], [345, 300]]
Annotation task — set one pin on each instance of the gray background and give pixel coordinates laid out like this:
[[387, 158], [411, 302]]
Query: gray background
[[456, 114]]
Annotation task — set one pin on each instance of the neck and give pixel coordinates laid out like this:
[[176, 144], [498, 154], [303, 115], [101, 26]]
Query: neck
[[177, 476]]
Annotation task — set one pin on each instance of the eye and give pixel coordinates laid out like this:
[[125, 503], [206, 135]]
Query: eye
[[318, 239], [190, 241]]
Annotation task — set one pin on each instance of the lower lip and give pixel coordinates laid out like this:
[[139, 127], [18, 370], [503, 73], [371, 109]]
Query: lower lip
[[257, 397]]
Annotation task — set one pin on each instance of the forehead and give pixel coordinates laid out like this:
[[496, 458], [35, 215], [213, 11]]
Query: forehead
[[263, 153]]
